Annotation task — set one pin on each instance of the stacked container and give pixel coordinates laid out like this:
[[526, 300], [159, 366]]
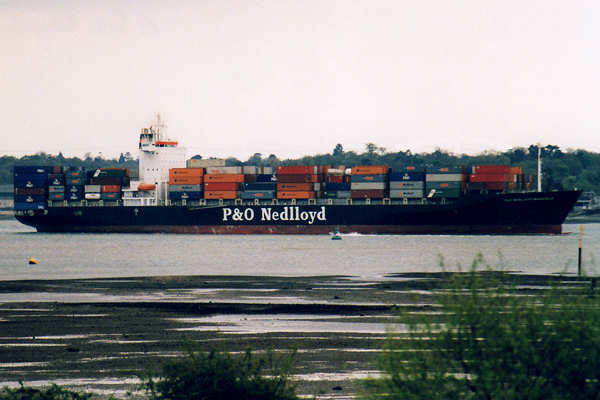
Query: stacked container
[[369, 181], [75, 179], [495, 178], [297, 182], [186, 184], [56, 187], [407, 184], [337, 185], [259, 183], [223, 182], [111, 182], [109, 176], [92, 192], [31, 183], [444, 182]]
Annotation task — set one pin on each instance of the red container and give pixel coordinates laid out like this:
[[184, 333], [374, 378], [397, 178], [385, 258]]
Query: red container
[[249, 178], [367, 194], [335, 178], [230, 178], [221, 194], [110, 188], [492, 169], [297, 170], [294, 187], [297, 178], [370, 170], [31, 191], [219, 186], [484, 177], [296, 195]]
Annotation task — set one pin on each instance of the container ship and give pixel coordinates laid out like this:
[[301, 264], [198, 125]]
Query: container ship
[[175, 195]]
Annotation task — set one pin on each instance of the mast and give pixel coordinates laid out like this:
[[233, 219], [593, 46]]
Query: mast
[[539, 171]]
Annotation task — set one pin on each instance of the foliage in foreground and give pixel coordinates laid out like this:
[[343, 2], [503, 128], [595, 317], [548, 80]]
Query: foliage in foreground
[[219, 375], [495, 344], [54, 392]]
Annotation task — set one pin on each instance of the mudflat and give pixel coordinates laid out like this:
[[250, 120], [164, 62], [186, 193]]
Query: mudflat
[[101, 334]]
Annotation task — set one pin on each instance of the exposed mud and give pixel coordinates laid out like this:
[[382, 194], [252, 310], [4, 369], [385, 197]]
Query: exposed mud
[[100, 334]]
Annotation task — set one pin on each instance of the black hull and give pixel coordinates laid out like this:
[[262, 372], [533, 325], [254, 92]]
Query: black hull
[[516, 213]]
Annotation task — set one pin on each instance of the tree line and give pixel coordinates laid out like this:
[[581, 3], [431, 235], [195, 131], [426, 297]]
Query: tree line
[[562, 170]]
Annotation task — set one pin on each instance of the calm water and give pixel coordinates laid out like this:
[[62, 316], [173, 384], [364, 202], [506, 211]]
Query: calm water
[[365, 256]]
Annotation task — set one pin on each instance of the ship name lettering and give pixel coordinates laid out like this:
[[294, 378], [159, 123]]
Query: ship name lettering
[[292, 214], [238, 215]]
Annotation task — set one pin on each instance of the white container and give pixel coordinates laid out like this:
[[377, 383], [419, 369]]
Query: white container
[[224, 170], [93, 188], [368, 186]]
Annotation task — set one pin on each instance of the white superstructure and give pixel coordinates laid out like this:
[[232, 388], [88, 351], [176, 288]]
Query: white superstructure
[[157, 154]]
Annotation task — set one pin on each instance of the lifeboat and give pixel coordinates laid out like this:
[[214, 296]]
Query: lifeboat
[[146, 186]]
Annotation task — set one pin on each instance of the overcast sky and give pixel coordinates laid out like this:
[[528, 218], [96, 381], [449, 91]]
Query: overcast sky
[[293, 77]]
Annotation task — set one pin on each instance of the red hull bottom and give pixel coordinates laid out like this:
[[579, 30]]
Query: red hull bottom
[[314, 229]]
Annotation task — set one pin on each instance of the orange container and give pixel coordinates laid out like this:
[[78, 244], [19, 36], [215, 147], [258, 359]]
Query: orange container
[[221, 194], [296, 195], [296, 169], [186, 180], [110, 188], [222, 186], [516, 170], [231, 178], [294, 187], [178, 172], [370, 170]]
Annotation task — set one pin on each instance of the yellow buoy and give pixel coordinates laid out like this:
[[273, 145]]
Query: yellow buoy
[[33, 261]]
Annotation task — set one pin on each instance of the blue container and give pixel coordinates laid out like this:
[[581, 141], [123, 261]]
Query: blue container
[[260, 186], [178, 196], [74, 189], [266, 178], [32, 169], [407, 176], [29, 198], [78, 196], [369, 178], [258, 194], [31, 181], [56, 180], [30, 206], [329, 186], [185, 188]]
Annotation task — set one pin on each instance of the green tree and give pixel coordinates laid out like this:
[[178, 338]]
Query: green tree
[[338, 150], [493, 344]]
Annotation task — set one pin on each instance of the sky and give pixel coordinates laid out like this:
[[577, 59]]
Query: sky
[[295, 77]]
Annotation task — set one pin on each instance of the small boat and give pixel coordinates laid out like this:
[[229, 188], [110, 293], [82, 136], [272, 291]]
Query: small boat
[[336, 235]]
